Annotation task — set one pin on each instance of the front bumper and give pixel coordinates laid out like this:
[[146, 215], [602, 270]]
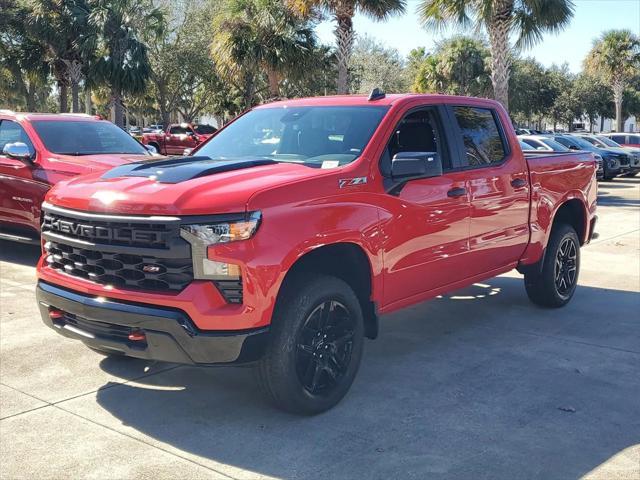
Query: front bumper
[[169, 334]]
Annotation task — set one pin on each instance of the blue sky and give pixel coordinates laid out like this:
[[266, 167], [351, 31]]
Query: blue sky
[[591, 17]]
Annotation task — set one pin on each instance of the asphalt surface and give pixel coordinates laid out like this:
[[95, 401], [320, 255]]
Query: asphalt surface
[[477, 384]]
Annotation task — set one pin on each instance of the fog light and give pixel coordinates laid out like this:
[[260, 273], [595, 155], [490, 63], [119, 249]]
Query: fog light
[[220, 270]]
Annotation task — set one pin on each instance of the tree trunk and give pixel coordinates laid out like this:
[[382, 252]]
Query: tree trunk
[[31, 97], [601, 122], [618, 91], [274, 82], [498, 30], [87, 100], [62, 91], [75, 103], [344, 40], [117, 111]]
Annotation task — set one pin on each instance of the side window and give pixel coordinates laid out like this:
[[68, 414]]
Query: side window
[[483, 142], [177, 130], [419, 131], [618, 139], [11, 132], [635, 139]]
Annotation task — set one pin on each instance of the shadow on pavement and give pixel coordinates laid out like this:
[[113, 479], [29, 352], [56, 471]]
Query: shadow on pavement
[[20, 253], [477, 384]]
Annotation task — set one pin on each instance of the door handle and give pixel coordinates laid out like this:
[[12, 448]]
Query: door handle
[[518, 183], [457, 192]]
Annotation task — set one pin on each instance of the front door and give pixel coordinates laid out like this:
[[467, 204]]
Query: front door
[[427, 224], [20, 193]]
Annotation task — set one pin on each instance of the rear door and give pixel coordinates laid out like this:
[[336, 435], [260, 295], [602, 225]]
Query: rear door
[[427, 233], [20, 193], [498, 185]]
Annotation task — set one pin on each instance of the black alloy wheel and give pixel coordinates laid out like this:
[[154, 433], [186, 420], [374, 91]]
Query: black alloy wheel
[[565, 268], [324, 347]]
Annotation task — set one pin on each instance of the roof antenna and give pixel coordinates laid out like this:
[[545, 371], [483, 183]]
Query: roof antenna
[[376, 94]]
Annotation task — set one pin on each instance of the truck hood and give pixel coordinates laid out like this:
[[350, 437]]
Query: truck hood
[[177, 186], [91, 163]]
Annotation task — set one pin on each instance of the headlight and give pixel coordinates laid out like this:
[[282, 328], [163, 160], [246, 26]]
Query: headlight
[[201, 235], [224, 232]]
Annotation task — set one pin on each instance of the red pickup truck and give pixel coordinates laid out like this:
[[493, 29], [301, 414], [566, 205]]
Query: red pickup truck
[[38, 150], [282, 240], [178, 137]]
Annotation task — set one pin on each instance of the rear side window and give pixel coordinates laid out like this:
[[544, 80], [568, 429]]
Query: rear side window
[[177, 130], [11, 132], [482, 139], [618, 139]]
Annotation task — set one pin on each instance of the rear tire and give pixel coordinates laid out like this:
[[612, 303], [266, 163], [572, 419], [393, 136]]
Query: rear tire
[[317, 337], [555, 284]]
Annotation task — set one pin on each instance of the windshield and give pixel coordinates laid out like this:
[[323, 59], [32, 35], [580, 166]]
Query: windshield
[[525, 146], [608, 142], [314, 136], [68, 137], [204, 129], [555, 146], [577, 141]]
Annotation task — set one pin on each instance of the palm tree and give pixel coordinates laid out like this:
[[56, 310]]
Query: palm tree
[[343, 11], [615, 58], [263, 34], [528, 20], [122, 63], [63, 27]]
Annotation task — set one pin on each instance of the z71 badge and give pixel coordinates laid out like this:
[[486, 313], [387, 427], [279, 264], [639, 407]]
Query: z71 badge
[[351, 182]]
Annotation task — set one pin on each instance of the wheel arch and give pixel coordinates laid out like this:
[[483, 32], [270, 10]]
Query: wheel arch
[[347, 261]]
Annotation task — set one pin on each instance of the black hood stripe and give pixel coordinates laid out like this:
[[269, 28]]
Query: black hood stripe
[[180, 169]]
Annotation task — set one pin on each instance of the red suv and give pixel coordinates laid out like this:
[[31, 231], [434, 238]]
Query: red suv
[[38, 150]]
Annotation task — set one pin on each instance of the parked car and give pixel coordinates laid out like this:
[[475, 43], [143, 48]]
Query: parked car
[[40, 150], [543, 143], [282, 252], [178, 137], [629, 162], [629, 146], [624, 139], [153, 129], [608, 165]]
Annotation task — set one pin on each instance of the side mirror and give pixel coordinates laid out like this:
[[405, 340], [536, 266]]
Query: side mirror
[[187, 151], [18, 151], [573, 147], [407, 166], [151, 149], [540, 148]]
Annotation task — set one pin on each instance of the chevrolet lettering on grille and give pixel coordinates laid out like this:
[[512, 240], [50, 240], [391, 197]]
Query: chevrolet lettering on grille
[[99, 232]]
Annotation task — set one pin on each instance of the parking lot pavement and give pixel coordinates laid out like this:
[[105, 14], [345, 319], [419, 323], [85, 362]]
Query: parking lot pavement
[[476, 384]]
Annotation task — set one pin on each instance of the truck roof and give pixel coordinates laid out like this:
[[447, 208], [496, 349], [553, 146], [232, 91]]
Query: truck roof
[[50, 116], [389, 99]]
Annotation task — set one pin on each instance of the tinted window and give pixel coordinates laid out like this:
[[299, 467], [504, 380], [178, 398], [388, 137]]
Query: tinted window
[[417, 132], [533, 143], [618, 138], [178, 130], [307, 135], [481, 136], [205, 129], [555, 146], [69, 137], [608, 142], [11, 132], [635, 139], [525, 146]]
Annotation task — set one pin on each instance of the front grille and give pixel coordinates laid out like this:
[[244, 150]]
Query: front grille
[[120, 269], [624, 160], [129, 233]]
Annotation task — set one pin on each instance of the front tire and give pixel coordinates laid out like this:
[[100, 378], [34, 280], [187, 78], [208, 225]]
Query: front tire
[[317, 337], [555, 284]]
